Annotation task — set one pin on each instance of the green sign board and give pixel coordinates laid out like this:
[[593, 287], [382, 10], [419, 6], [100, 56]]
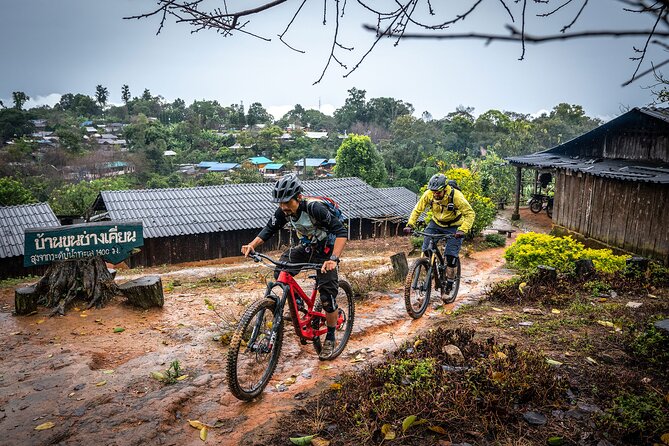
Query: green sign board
[[113, 241]]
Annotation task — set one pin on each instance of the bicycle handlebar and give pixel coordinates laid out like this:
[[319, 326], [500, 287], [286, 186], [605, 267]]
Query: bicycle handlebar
[[434, 236], [258, 257]]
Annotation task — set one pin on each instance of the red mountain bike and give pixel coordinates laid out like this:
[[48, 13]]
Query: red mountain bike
[[256, 344]]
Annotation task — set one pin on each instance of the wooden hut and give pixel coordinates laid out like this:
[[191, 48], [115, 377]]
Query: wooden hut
[[612, 183]]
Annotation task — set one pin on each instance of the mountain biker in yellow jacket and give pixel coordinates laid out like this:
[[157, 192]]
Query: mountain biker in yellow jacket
[[451, 214]]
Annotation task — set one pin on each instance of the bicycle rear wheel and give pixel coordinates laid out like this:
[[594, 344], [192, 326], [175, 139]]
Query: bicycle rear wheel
[[417, 288], [450, 297], [347, 310], [535, 206], [253, 356]]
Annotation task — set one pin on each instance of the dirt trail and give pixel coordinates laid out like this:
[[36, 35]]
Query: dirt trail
[[95, 385]]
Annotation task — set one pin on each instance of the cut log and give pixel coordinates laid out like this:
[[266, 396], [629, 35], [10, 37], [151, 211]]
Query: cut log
[[585, 268], [25, 300], [546, 274], [400, 265], [145, 292]]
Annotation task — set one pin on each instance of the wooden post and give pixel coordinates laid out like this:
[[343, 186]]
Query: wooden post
[[25, 300], [516, 208], [585, 268], [400, 265], [546, 273]]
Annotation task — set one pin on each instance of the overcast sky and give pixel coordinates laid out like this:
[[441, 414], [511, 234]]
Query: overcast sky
[[48, 48]]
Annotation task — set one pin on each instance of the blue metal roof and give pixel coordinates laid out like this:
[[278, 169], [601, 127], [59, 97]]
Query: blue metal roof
[[230, 207], [311, 162], [222, 167], [260, 160], [273, 166], [204, 164], [14, 220]]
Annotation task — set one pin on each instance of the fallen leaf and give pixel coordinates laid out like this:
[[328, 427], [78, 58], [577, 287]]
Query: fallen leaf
[[358, 358], [71, 394], [108, 372], [602, 299], [591, 361], [290, 381], [101, 383], [555, 311], [408, 422], [83, 315], [318, 441], [555, 441], [605, 324], [553, 362], [665, 438], [196, 424], [497, 309], [157, 375], [325, 367], [119, 330], [45, 426], [388, 432], [500, 355], [417, 343], [41, 321], [335, 386], [521, 287], [182, 377], [497, 376], [302, 441], [437, 429], [203, 433]]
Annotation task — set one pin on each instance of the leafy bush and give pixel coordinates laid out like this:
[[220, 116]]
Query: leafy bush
[[632, 415], [495, 240], [533, 249]]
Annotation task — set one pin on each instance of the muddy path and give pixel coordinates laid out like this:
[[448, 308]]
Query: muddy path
[[95, 385]]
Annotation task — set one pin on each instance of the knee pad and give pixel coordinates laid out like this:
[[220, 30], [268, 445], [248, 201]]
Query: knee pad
[[329, 303], [451, 261]]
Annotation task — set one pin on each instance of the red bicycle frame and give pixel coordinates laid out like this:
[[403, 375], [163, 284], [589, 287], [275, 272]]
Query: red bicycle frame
[[304, 326]]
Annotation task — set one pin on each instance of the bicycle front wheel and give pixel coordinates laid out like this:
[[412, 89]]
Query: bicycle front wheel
[[346, 313], [253, 354], [417, 288]]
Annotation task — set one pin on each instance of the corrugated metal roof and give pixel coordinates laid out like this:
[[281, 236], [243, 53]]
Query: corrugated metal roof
[[311, 162], [260, 160], [566, 156], [273, 166], [403, 198], [197, 210], [15, 219]]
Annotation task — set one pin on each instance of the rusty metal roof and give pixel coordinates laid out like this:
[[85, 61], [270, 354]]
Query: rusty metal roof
[[15, 219], [230, 207], [566, 156]]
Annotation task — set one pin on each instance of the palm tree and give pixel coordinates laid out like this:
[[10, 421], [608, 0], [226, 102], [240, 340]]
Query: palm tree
[[101, 95], [20, 98]]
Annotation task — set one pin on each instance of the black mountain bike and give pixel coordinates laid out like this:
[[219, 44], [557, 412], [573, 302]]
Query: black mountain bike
[[425, 270]]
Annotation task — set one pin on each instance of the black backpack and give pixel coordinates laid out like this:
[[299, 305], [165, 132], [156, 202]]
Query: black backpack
[[454, 185]]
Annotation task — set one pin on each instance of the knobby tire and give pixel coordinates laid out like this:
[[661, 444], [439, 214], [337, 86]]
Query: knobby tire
[[238, 345], [412, 295], [348, 307]]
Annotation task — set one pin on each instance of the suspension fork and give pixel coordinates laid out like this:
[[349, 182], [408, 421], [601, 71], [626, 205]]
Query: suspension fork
[[279, 303]]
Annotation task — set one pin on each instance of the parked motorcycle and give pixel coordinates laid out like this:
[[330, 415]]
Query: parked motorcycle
[[540, 202]]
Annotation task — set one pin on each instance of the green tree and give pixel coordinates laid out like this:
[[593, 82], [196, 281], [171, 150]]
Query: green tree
[[354, 110], [13, 193], [470, 183], [14, 123], [358, 157], [19, 98], [101, 95], [125, 94], [146, 95], [383, 111], [78, 105], [70, 138], [258, 115]]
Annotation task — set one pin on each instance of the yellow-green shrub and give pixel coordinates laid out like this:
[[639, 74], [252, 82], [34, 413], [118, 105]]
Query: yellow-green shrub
[[533, 249]]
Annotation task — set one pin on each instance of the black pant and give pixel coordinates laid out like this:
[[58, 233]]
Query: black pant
[[328, 283]]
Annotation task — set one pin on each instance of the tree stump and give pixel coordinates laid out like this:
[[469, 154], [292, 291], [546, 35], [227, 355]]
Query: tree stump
[[546, 274], [400, 265], [25, 300], [71, 280], [585, 268], [145, 292]]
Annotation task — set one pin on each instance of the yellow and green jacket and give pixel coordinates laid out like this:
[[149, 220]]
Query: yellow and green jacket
[[462, 217]]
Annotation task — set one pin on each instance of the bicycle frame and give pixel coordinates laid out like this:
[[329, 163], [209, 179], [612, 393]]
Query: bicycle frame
[[306, 328]]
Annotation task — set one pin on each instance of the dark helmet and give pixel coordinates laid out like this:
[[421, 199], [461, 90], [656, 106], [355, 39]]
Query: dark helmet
[[437, 182], [286, 188]]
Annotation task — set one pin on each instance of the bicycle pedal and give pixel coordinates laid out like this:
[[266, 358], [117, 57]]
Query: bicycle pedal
[[303, 342]]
